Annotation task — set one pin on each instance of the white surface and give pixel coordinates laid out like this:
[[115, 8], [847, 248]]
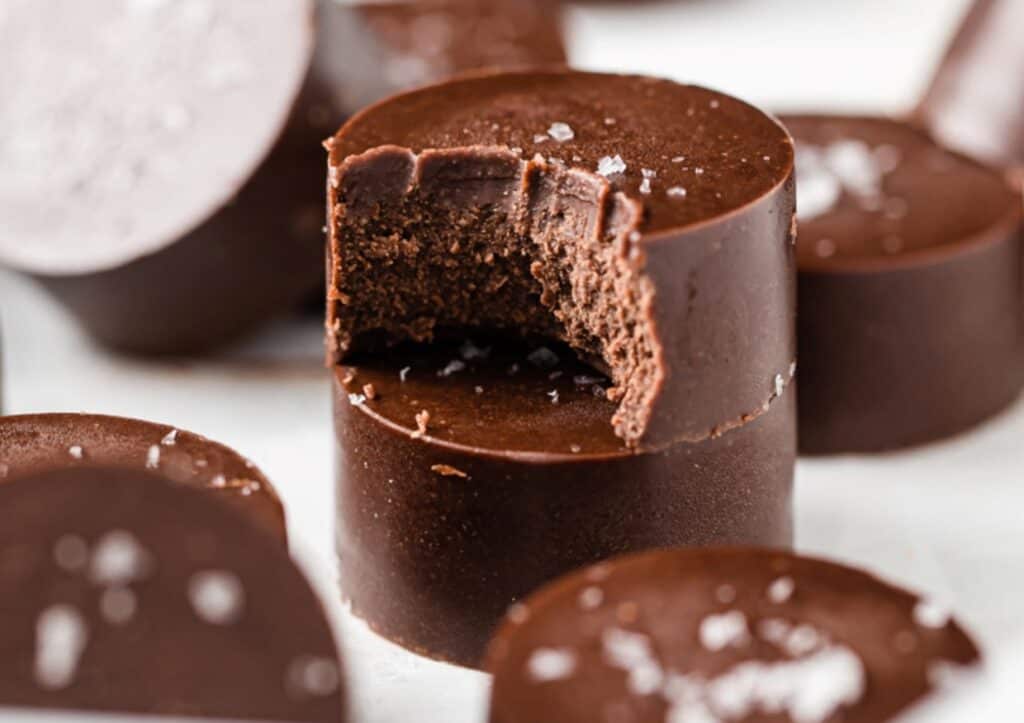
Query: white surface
[[946, 519]]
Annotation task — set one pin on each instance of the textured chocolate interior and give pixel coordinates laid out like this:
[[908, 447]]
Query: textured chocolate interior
[[521, 202]]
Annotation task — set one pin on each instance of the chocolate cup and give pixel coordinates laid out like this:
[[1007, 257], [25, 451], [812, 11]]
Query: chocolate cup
[[438, 532], [34, 443], [909, 347], [674, 634], [125, 593], [973, 101]]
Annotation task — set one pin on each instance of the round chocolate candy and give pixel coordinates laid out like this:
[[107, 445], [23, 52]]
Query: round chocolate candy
[[720, 636], [34, 443], [645, 223], [120, 592], [469, 474], [911, 323], [160, 175]]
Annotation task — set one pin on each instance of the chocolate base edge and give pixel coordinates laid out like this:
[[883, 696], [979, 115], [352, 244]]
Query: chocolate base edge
[[34, 443], [893, 358], [432, 560]]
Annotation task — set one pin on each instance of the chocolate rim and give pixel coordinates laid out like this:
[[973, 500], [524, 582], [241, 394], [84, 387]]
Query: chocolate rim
[[993, 234]]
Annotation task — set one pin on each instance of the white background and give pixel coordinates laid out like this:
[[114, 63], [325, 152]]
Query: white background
[[947, 519]]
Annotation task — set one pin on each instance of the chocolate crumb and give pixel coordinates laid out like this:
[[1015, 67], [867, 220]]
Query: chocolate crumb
[[446, 470]]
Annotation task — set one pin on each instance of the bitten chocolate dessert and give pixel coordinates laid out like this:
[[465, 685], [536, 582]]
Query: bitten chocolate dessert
[[911, 323], [640, 226], [471, 473], [974, 100], [643, 222], [35, 443], [721, 636], [120, 592], [158, 166]]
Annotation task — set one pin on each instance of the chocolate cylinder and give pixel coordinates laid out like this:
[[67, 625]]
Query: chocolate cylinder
[[973, 103], [757, 636], [163, 190], [648, 225], [517, 479], [123, 593], [34, 443], [910, 291]]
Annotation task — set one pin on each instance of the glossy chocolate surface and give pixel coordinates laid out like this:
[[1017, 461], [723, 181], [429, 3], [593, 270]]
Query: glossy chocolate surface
[[745, 635], [910, 287], [34, 443], [646, 223], [120, 592], [492, 469]]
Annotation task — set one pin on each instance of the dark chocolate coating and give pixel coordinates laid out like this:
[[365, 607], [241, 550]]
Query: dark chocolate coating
[[35, 443], [731, 635], [120, 592], [910, 325], [974, 100], [510, 486], [674, 271], [220, 265]]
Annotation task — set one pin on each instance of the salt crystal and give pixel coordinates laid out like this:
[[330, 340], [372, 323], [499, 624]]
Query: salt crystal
[[540, 139], [782, 589], [561, 132], [648, 173], [676, 192], [61, 635], [170, 438], [312, 677], [645, 187], [217, 596], [357, 400], [930, 614], [550, 664], [75, 451], [718, 632], [153, 457], [591, 597], [610, 121], [219, 482], [679, 159], [554, 396], [611, 165], [118, 558], [403, 374], [454, 367], [699, 171], [780, 385]]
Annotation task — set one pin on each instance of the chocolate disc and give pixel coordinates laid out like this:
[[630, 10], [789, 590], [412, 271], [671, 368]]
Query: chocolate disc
[[974, 100], [153, 178], [720, 636], [471, 473], [911, 323], [120, 592], [646, 223], [34, 443]]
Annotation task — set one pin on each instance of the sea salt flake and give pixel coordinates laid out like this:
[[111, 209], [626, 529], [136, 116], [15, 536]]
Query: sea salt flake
[[170, 438], [453, 367], [930, 614], [611, 165], [718, 632], [357, 400], [780, 385], [540, 139], [118, 559], [781, 590], [553, 394], [153, 457], [75, 451], [61, 635], [676, 192], [550, 664], [403, 374], [217, 596], [561, 132], [645, 187]]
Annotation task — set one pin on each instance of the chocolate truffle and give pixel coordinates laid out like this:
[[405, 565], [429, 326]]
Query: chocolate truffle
[[120, 592], [470, 474], [974, 103], [160, 177], [910, 291], [720, 636], [35, 443], [646, 223]]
